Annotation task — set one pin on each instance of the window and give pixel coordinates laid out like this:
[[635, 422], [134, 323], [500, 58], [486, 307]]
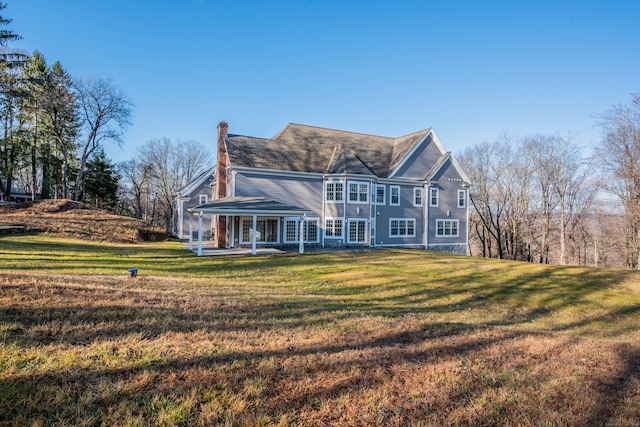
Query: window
[[358, 192], [311, 230], [266, 230], [462, 198], [447, 227], [357, 231], [333, 228], [400, 227], [334, 191], [394, 199], [417, 196], [380, 194], [433, 197], [292, 229], [202, 199]]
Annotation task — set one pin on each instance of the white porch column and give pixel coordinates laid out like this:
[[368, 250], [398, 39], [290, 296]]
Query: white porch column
[[301, 235], [190, 232], [200, 234], [253, 235]]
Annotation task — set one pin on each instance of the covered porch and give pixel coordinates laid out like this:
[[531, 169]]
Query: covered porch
[[245, 207]]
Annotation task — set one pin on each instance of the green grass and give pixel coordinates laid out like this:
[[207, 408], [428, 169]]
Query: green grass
[[387, 337]]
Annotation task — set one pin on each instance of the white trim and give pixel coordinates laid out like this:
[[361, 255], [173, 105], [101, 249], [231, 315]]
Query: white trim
[[431, 204], [452, 220], [401, 236], [305, 222], [391, 188], [348, 230], [384, 194], [401, 245], [253, 229], [333, 181], [411, 153], [334, 237], [415, 190], [358, 192], [464, 199]]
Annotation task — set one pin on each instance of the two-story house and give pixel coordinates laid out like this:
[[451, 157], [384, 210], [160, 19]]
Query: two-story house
[[315, 186]]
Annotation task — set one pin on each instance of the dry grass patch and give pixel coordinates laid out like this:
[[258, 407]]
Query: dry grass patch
[[67, 217], [94, 350], [379, 338]]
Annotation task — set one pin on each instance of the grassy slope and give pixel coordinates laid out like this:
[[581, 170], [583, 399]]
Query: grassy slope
[[393, 337]]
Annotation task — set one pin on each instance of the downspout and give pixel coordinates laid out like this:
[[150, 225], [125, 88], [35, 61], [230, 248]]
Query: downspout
[[427, 203], [324, 210]]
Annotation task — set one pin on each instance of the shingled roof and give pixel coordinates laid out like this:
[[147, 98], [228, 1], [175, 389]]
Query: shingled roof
[[312, 149]]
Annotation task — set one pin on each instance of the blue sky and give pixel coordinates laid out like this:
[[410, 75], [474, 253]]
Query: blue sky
[[470, 70]]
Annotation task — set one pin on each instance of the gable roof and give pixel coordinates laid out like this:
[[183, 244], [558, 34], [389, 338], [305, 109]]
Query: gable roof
[[196, 183], [303, 148]]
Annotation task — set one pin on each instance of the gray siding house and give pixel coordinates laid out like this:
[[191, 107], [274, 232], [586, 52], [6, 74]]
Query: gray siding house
[[340, 189], [197, 192]]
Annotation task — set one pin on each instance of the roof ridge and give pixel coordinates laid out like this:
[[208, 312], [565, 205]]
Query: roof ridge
[[337, 130]]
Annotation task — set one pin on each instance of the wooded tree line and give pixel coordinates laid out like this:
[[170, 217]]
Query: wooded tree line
[[543, 199], [54, 128]]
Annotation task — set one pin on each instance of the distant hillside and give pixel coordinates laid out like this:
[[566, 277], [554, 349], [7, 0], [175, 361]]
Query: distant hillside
[[76, 219]]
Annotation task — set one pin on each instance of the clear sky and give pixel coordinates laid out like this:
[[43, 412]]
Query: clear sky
[[471, 70]]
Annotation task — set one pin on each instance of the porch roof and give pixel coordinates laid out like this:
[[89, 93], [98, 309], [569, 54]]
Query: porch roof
[[239, 206]]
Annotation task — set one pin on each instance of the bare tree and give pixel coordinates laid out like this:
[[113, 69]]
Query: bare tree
[[620, 158], [106, 114], [171, 166]]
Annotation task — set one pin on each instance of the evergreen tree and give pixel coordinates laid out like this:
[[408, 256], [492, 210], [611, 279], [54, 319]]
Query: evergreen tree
[[11, 94], [34, 77], [62, 123], [101, 182]]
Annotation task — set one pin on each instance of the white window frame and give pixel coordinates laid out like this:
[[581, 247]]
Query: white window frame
[[384, 194], [391, 189], [400, 227], [416, 191], [202, 199], [296, 228], [462, 197], [262, 219], [356, 221], [333, 228], [334, 192], [307, 222], [432, 192], [360, 186], [444, 221]]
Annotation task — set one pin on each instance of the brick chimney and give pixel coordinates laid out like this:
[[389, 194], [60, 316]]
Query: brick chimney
[[220, 224]]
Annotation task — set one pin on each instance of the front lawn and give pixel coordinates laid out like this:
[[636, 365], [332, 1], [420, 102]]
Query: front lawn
[[388, 337]]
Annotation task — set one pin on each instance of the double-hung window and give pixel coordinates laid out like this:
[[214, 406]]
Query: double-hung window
[[447, 227], [394, 198], [358, 192], [402, 227], [334, 191], [202, 199], [380, 194], [462, 198], [433, 197], [417, 196]]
